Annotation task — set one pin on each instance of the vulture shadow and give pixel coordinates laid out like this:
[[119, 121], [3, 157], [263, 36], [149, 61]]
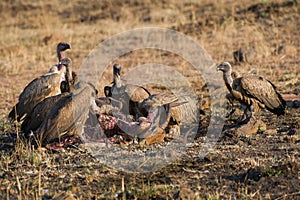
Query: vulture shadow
[[252, 174]]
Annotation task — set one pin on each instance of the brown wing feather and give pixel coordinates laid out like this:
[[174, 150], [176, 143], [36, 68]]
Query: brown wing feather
[[181, 107], [40, 88], [59, 121], [185, 111], [40, 112], [66, 117], [137, 93], [37, 90], [262, 90], [160, 99]]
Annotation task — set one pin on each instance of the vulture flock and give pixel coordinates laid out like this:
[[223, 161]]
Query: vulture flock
[[56, 106]]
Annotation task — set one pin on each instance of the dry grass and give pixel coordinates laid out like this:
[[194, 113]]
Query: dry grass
[[29, 33]]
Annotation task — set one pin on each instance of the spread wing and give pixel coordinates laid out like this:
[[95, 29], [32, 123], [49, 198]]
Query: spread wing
[[262, 90]]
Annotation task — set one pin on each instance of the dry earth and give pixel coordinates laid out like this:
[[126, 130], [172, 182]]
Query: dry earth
[[265, 165]]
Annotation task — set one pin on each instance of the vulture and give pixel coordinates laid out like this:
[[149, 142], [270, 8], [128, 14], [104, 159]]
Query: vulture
[[129, 95], [167, 111], [34, 119], [68, 114], [40, 88], [158, 108], [253, 91], [182, 108]]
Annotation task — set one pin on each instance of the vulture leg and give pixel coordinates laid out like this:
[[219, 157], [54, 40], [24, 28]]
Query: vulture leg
[[233, 109], [252, 111], [245, 114], [246, 117], [230, 99]]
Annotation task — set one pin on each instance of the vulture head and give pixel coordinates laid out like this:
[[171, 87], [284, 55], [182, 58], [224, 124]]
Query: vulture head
[[225, 67], [117, 75], [117, 70], [107, 91], [62, 46]]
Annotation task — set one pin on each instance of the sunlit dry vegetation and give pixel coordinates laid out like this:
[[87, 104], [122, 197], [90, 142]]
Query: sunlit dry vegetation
[[260, 166]]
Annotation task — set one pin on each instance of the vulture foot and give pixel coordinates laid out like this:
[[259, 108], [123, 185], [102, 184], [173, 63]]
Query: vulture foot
[[68, 141]]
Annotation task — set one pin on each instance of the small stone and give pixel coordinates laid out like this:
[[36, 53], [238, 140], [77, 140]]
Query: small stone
[[252, 127]]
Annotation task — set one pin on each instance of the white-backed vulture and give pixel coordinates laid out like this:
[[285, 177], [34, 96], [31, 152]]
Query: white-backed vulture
[[40, 88], [71, 75], [68, 115], [167, 111], [128, 94], [158, 108], [34, 119], [182, 108], [253, 91]]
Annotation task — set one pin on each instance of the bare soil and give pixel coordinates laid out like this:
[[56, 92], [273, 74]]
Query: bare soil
[[264, 165]]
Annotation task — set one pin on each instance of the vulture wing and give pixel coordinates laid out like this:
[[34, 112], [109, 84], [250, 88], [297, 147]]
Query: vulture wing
[[67, 116], [137, 93], [40, 112], [160, 99], [181, 107], [262, 90], [37, 90], [41, 88]]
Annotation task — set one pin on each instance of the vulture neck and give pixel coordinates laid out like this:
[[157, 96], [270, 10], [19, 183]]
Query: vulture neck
[[62, 71], [228, 80], [117, 81], [60, 55], [69, 77]]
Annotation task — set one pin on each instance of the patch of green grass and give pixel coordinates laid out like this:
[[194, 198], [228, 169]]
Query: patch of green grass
[[270, 172]]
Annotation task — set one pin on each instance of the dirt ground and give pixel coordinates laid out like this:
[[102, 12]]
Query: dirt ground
[[264, 165]]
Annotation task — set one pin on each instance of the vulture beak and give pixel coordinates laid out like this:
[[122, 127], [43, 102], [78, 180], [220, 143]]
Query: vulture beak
[[219, 68], [68, 46]]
